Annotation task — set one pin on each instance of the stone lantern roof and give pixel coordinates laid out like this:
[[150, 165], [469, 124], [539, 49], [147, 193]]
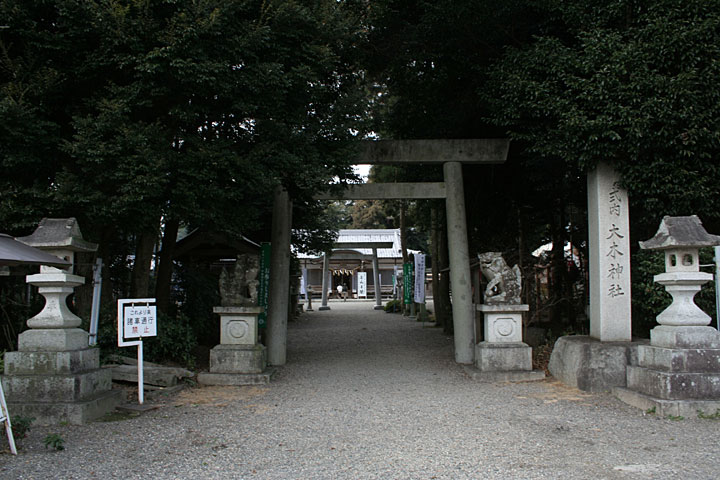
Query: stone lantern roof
[[58, 234], [679, 232]]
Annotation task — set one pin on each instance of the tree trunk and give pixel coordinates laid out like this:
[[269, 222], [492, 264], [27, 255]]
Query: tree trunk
[[163, 280], [140, 280]]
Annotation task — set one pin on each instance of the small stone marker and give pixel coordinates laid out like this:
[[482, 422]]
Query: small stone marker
[[609, 245]]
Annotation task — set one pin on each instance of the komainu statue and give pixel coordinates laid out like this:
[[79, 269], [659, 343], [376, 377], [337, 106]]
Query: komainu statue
[[504, 283], [239, 284]]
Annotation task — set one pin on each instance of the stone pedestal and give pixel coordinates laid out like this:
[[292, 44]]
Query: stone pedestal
[[503, 356], [677, 374], [239, 359], [590, 365]]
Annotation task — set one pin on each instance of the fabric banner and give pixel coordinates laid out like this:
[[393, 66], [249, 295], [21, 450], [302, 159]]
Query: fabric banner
[[420, 278], [303, 281], [407, 283], [362, 284]]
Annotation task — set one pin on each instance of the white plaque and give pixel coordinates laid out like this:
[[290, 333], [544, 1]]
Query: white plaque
[[139, 321], [362, 284]]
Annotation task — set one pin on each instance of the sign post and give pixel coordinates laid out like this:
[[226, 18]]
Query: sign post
[[137, 318]]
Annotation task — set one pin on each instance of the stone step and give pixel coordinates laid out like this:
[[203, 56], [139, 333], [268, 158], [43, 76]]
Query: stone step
[[52, 363], [234, 359], [76, 413], [211, 378], [698, 360], [672, 385], [663, 408], [55, 388], [159, 376]]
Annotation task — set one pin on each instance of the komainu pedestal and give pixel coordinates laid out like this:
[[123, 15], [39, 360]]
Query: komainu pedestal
[[502, 355], [239, 359]]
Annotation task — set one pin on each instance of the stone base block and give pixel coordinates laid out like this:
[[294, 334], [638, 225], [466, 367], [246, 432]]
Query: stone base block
[[76, 413], [504, 377], [51, 363], [663, 408], [238, 359], [323, 308], [591, 365], [378, 307], [61, 339], [210, 378], [685, 337], [56, 388], [161, 377], [674, 386], [503, 357], [697, 360]]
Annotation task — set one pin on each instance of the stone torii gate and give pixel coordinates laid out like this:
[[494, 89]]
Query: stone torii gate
[[452, 154]]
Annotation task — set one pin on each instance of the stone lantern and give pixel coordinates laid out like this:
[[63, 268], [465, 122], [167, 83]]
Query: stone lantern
[[55, 327], [681, 239], [55, 376], [679, 372]]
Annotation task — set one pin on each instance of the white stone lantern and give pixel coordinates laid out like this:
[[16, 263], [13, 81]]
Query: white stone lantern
[[55, 327], [681, 239]]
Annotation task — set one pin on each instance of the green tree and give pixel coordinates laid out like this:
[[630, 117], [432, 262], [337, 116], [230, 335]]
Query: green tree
[[627, 82], [187, 111]]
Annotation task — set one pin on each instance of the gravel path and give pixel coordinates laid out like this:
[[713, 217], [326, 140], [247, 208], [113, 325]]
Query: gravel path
[[373, 395]]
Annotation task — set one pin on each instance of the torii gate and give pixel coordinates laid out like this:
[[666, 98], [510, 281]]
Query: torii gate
[[452, 154]]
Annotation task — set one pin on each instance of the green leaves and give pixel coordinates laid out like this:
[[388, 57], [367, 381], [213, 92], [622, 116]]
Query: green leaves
[[629, 84]]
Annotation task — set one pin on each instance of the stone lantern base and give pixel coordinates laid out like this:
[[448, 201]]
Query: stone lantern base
[[677, 374], [239, 359], [58, 386]]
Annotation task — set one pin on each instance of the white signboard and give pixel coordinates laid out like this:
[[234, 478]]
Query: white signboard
[[140, 321], [419, 278], [362, 284]]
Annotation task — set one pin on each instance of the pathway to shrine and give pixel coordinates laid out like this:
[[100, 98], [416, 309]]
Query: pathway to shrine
[[371, 395]]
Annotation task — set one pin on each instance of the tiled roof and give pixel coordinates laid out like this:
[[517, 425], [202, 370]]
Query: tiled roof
[[372, 235]]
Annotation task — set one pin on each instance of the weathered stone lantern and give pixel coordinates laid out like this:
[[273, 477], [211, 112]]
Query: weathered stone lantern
[[55, 327], [681, 239], [679, 372], [55, 376]]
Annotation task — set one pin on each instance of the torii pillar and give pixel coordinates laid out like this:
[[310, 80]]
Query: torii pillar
[[279, 298]]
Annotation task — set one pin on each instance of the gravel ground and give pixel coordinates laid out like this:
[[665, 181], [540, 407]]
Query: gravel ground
[[368, 395]]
